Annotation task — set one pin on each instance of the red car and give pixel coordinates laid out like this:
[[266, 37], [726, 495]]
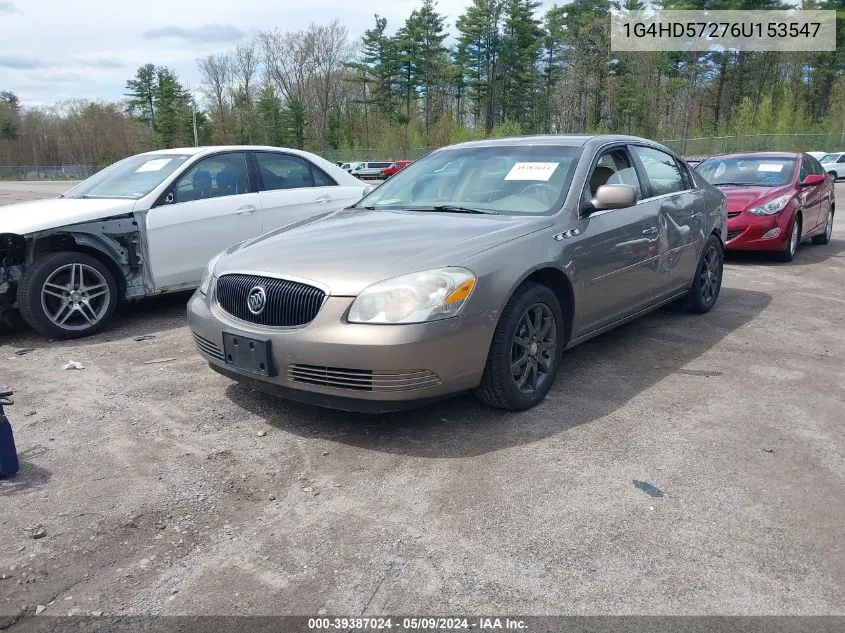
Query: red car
[[776, 200], [398, 166]]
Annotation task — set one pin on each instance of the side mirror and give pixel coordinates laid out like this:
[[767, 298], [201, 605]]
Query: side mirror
[[812, 180], [614, 197]]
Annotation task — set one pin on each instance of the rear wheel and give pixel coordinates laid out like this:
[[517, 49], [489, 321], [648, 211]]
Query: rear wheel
[[525, 354], [788, 253], [67, 295], [824, 238], [708, 278]]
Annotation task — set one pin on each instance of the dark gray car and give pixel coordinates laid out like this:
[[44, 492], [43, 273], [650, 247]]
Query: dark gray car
[[472, 269]]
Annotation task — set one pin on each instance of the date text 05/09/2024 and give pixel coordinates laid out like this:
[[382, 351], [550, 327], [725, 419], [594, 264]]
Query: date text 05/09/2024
[[416, 624]]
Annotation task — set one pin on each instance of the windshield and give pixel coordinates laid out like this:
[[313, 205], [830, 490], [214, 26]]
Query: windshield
[[132, 177], [518, 180], [760, 171], [829, 158]]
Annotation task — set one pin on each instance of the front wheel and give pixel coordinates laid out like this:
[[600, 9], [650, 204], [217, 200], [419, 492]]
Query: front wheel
[[788, 253], [824, 238], [708, 278], [67, 295], [525, 354]]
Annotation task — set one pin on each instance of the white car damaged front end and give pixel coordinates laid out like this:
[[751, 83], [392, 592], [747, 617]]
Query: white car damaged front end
[[113, 233]]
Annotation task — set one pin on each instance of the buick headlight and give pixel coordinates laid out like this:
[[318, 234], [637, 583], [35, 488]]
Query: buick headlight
[[425, 296], [208, 275], [771, 207]]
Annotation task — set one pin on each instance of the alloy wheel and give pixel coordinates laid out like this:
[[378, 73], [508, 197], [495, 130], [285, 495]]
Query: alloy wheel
[[793, 238], [75, 296], [711, 274], [828, 230], [534, 342]]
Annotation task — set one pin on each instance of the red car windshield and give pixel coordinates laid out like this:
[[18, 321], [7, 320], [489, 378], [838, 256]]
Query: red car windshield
[[757, 171]]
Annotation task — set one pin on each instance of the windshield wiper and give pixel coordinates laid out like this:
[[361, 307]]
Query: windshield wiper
[[738, 184], [452, 208]]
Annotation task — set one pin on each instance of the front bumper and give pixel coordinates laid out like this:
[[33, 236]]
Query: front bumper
[[351, 366], [747, 232]]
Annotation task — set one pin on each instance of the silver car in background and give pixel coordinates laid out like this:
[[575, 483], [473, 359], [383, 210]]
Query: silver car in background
[[472, 269], [371, 170]]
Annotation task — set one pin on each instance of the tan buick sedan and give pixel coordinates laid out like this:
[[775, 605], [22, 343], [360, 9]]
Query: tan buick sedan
[[472, 269]]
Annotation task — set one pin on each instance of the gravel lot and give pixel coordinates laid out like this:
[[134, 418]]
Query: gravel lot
[[164, 488]]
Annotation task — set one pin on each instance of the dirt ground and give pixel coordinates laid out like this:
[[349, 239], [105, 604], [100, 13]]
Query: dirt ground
[[163, 488]]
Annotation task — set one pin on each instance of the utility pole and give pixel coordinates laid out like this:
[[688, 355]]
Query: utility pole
[[194, 113]]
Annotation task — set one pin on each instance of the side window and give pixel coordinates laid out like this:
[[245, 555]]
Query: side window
[[816, 167], [284, 171], [213, 177], [612, 168], [662, 171], [805, 169], [841, 159]]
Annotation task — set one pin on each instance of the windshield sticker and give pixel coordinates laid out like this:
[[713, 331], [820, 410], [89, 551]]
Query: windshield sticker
[[532, 171], [770, 167], [153, 165]]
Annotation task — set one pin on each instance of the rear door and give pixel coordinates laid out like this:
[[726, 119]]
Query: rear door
[[293, 189], [671, 189], [617, 253], [212, 206]]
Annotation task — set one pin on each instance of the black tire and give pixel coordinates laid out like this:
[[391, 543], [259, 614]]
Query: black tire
[[788, 253], [34, 302], [707, 282], [498, 386], [824, 238], [833, 175]]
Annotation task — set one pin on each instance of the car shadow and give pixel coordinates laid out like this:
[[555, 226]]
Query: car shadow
[[155, 314], [598, 377], [808, 254]]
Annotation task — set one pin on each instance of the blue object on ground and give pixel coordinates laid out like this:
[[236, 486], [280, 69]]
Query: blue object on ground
[[9, 464]]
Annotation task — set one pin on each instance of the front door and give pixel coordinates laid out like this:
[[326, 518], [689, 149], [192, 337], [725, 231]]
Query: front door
[[213, 207], [617, 252]]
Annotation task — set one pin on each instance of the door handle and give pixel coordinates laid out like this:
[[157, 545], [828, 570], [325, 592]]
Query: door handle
[[651, 231], [323, 199], [249, 209]]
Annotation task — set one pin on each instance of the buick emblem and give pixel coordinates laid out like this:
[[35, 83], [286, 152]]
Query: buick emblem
[[256, 300]]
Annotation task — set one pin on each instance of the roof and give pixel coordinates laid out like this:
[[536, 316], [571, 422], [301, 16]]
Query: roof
[[758, 155], [191, 151], [571, 140]]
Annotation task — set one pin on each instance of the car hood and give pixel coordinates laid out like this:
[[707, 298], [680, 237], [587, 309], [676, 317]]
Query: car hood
[[51, 213], [348, 250], [740, 198]]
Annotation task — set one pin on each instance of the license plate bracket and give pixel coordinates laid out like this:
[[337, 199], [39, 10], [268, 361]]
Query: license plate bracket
[[248, 354]]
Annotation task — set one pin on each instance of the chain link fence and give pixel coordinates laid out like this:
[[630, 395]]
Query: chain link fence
[[711, 146], [691, 148], [47, 172]]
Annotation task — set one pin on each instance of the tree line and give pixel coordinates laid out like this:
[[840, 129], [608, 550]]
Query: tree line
[[504, 68]]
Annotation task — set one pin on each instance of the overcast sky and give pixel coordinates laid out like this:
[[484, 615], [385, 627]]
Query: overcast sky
[[52, 50]]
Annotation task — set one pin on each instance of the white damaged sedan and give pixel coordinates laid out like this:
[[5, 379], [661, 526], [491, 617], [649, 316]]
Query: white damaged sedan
[[149, 224]]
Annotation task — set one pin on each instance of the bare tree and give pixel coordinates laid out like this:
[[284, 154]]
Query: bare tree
[[216, 72], [331, 52], [289, 64], [245, 67]]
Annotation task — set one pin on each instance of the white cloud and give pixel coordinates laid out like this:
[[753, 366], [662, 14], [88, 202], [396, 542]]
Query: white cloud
[[60, 48]]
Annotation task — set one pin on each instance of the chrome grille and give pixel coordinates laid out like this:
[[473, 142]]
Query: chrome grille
[[207, 347], [289, 303], [362, 379]]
